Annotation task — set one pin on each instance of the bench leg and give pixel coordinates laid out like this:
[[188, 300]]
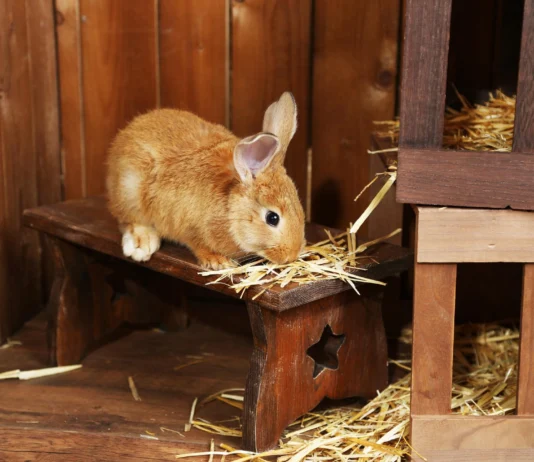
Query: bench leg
[[335, 348], [92, 295], [70, 305]]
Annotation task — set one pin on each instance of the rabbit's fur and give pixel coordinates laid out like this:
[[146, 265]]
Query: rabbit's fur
[[173, 175]]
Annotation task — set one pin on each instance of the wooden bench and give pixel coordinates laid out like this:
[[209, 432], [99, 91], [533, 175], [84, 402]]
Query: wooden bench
[[310, 341]]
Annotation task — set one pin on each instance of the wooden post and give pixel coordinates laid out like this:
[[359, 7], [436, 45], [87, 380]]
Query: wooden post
[[433, 338], [525, 385], [524, 114], [426, 41]]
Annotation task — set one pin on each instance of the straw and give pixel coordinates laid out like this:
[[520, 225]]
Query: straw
[[37, 373], [133, 389], [480, 127], [336, 257], [484, 383]]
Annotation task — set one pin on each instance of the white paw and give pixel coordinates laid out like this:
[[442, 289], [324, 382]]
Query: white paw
[[140, 242]]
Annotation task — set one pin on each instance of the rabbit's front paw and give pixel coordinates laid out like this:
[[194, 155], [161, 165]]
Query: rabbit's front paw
[[214, 261], [140, 242]]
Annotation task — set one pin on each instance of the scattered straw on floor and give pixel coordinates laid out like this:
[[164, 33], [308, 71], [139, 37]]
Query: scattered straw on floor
[[484, 383], [37, 373], [133, 389], [480, 127]]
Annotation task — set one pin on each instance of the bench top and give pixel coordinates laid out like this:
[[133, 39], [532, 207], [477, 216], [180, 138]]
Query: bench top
[[88, 223]]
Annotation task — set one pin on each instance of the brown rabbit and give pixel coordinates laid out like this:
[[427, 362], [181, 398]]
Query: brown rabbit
[[174, 176]]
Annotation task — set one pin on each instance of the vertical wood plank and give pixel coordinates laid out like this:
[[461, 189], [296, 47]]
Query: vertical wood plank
[[71, 98], [42, 47], [118, 43], [354, 80], [433, 338], [424, 70], [193, 56], [525, 388], [20, 270], [524, 115], [45, 112], [270, 55]]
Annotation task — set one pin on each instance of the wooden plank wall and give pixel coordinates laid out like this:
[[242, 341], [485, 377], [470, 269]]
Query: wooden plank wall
[[271, 54], [354, 83], [29, 151], [226, 60]]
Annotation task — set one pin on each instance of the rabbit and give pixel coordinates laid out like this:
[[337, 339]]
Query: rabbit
[[172, 175]]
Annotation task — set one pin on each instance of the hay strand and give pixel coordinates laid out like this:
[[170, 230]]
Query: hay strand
[[37, 373], [133, 389]]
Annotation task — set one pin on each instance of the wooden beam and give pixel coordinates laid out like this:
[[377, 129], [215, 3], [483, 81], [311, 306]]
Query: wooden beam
[[424, 72], [433, 338], [454, 235], [524, 116], [472, 438], [466, 178], [525, 387]]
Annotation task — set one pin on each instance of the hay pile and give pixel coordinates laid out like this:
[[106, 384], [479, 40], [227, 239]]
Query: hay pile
[[337, 257], [480, 127], [484, 383]]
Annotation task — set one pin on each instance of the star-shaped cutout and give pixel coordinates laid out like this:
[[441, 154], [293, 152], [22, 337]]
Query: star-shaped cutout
[[325, 352]]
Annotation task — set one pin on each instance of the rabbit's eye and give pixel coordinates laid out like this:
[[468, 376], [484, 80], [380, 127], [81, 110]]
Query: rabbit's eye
[[272, 219]]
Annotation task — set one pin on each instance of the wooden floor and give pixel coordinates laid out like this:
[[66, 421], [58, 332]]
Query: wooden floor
[[90, 414]]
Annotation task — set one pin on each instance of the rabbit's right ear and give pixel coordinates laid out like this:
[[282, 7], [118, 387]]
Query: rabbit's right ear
[[280, 119], [254, 154]]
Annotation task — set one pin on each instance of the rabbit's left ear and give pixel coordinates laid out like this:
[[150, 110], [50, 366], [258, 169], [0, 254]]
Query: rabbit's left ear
[[280, 119], [254, 154]]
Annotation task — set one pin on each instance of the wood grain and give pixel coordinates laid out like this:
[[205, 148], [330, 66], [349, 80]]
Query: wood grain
[[524, 116], [88, 223], [433, 338], [354, 83], [455, 235], [525, 387], [193, 57], [466, 179], [472, 439], [271, 43], [90, 414], [45, 112], [424, 72], [118, 45], [68, 24], [20, 171], [281, 386], [92, 296]]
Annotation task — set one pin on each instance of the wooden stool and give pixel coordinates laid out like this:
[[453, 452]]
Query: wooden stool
[[445, 237], [310, 342]]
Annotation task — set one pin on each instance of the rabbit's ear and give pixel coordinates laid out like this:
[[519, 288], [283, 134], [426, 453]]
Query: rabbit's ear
[[280, 119], [254, 154]]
